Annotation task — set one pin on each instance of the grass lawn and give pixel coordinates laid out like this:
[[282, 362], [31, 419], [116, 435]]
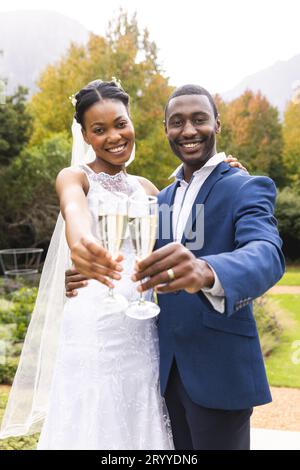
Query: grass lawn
[[291, 277], [281, 370], [14, 443]]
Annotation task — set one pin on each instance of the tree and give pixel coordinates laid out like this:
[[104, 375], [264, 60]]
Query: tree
[[15, 126], [254, 135], [288, 215], [27, 219], [291, 139], [129, 55], [224, 139]]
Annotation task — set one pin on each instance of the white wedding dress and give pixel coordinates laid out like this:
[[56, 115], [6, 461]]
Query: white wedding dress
[[105, 389]]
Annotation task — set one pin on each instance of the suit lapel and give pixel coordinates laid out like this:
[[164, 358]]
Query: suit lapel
[[203, 194], [168, 200]]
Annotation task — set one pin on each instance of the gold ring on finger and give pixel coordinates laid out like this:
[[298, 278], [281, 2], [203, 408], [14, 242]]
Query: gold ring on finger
[[171, 274]]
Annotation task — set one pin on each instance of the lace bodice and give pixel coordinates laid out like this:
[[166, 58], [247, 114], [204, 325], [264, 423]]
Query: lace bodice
[[121, 182], [102, 184]]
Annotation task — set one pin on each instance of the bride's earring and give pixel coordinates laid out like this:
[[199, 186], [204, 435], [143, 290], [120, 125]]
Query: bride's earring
[[132, 156]]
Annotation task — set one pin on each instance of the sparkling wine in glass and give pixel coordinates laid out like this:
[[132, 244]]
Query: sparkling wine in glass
[[142, 223], [112, 224]]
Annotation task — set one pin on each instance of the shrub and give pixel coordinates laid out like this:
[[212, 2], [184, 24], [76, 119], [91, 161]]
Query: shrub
[[269, 328], [15, 313], [8, 370], [23, 304]]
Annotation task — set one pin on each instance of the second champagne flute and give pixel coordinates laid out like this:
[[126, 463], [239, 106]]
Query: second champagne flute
[[112, 223], [142, 222]]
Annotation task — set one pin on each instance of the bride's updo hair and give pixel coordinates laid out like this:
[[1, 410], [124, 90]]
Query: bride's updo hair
[[98, 90]]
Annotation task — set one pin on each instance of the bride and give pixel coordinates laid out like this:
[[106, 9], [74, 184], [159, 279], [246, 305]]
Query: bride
[[105, 391], [88, 379]]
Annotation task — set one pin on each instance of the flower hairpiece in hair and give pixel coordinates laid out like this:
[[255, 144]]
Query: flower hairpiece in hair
[[73, 100], [117, 82]]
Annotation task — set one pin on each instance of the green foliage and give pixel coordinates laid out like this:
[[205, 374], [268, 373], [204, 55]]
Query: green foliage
[[15, 443], [17, 310], [8, 370], [23, 304], [10, 284], [31, 208], [288, 215], [268, 325], [15, 313], [15, 125]]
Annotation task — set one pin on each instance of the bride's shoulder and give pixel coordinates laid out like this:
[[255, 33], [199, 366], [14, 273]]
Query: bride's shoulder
[[71, 174], [148, 186]]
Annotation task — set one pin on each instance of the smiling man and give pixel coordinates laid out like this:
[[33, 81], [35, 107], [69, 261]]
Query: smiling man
[[211, 366], [191, 123]]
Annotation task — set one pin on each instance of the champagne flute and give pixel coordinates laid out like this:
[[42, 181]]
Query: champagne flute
[[112, 224], [142, 223]]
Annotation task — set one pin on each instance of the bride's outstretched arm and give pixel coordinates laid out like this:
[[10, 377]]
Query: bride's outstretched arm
[[87, 254]]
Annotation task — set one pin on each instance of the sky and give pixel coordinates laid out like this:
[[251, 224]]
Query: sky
[[214, 43]]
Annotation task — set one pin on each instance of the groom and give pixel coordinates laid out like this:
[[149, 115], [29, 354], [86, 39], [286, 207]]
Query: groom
[[217, 250]]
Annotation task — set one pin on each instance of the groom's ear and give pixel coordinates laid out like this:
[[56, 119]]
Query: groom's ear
[[165, 126], [218, 125]]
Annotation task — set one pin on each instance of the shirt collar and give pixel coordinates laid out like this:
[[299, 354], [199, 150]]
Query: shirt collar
[[212, 162]]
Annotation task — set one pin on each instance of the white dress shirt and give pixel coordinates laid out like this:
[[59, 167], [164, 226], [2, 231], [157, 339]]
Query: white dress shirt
[[184, 199]]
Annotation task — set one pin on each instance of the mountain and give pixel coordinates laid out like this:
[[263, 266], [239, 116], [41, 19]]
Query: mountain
[[30, 40], [275, 82]]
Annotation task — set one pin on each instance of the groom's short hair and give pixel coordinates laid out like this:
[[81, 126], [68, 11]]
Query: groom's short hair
[[192, 90]]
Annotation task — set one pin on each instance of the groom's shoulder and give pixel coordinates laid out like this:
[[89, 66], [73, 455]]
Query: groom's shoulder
[[236, 179]]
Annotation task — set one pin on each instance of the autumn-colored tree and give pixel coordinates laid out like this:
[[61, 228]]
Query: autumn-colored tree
[[291, 140], [224, 139], [129, 55], [254, 135]]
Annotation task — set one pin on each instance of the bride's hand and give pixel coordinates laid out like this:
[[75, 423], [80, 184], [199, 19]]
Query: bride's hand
[[93, 261], [235, 163]]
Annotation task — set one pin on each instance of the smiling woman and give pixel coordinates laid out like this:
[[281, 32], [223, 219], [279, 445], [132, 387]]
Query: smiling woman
[[102, 110]]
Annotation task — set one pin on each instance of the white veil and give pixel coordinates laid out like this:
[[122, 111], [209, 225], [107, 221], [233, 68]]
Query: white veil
[[29, 397]]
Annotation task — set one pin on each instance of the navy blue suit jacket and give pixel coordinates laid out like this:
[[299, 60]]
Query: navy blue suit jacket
[[218, 355]]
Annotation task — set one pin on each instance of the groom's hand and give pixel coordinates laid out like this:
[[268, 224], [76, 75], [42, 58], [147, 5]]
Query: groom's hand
[[73, 281], [191, 274]]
